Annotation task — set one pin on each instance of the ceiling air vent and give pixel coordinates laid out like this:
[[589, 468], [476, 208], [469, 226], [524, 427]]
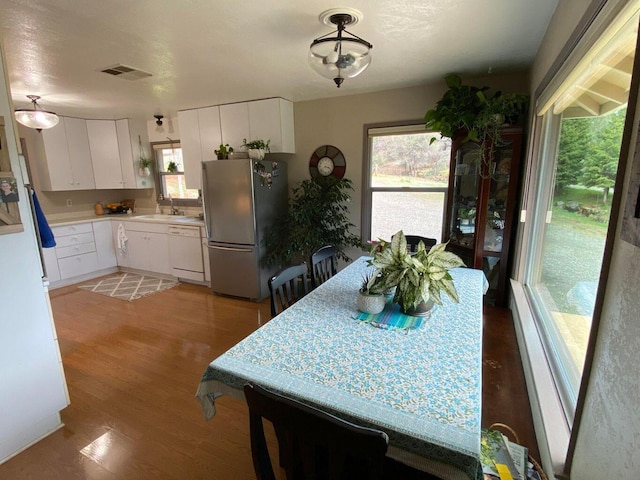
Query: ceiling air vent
[[123, 71]]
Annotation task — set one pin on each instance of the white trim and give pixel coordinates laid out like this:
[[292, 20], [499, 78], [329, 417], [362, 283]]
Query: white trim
[[613, 16], [552, 430]]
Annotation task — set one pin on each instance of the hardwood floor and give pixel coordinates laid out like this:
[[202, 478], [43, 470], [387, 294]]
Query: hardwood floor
[[132, 370]]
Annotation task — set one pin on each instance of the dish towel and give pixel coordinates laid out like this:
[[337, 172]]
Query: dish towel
[[122, 239], [46, 235]]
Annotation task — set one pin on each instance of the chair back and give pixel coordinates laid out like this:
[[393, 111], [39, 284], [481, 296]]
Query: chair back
[[324, 265], [288, 286], [312, 444], [414, 240]]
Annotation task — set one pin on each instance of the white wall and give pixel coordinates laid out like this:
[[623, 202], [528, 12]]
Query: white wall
[[32, 386], [608, 439]]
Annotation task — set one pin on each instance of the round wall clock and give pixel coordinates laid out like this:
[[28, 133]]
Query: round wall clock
[[327, 160]]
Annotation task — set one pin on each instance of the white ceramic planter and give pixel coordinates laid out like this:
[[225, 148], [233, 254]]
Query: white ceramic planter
[[256, 153], [371, 303]]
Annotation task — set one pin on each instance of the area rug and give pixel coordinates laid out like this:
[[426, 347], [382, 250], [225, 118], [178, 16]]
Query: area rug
[[129, 286]]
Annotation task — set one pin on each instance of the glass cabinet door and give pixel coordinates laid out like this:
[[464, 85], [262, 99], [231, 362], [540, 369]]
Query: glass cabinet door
[[500, 173], [462, 223]]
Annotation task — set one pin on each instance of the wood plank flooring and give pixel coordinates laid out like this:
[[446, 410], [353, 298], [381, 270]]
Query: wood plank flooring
[[132, 370]]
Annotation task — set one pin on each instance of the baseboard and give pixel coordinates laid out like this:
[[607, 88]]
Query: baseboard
[[31, 436]]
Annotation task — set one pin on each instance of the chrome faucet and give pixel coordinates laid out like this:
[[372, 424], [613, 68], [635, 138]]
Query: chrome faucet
[[174, 211]]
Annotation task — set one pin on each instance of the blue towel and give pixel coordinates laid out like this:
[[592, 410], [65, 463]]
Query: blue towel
[[46, 235]]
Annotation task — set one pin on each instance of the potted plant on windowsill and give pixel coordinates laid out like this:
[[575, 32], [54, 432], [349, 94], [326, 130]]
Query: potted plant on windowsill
[[419, 278], [172, 167]]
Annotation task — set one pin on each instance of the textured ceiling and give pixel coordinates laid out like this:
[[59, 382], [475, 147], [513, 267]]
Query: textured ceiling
[[220, 51]]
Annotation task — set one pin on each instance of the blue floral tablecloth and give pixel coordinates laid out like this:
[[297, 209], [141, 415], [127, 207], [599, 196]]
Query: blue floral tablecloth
[[421, 386]]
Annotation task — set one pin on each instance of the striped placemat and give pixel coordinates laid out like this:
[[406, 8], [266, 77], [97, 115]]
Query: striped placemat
[[391, 318]]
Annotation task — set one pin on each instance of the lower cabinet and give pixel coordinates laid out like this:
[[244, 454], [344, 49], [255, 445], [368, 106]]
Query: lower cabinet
[[147, 247], [81, 250]]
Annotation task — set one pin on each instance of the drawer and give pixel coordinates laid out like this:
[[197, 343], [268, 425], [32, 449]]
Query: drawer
[[64, 230], [62, 252], [146, 227], [74, 239], [78, 265]]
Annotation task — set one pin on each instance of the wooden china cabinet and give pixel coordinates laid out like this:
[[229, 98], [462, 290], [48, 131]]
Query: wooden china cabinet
[[481, 206]]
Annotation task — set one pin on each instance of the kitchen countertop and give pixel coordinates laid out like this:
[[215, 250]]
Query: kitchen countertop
[[56, 221]]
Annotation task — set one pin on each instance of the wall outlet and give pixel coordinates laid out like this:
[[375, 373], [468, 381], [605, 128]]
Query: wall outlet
[[69, 202]]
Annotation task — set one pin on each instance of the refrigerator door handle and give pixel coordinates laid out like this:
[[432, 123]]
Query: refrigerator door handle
[[205, 182], [229, 249]]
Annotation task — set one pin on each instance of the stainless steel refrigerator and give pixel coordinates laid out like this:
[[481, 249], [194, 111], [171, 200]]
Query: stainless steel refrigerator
[[241, 199]]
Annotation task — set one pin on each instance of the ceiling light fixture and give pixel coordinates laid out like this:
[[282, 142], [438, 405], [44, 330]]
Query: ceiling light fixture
[[38, 119], [159, 127], [340, 56]]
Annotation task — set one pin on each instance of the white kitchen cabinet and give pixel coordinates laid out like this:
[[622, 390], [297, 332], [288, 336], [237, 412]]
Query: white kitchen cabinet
[[272, 119], [268, 119], [132, 143], [148, 247], [125, 154], [200, 136], [64, 157], [105, 249], [234, 124], [51, 264], [105, 155], [75, 250]]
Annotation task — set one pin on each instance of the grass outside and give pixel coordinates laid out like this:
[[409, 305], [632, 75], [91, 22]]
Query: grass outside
[[397, 181]]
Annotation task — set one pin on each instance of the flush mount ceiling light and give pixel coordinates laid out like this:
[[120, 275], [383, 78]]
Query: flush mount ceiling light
[[159, 127], [38, 119], [340, 54]]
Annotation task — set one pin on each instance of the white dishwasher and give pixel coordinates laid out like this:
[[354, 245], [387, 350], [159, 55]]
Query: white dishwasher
[[185, 252]]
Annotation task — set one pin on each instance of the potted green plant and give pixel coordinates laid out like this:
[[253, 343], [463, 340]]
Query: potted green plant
[[256, 148], [144, 166], [470, 110], [419, 278], [317, 216], [223, 151], [172, 167], [371, 298]]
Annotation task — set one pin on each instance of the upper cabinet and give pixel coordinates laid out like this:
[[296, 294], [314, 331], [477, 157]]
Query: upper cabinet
[[272, 119], [202, 131], [66, 158], [132, 135], [80, 154], [199, 138], [234, 121], [105, 157]]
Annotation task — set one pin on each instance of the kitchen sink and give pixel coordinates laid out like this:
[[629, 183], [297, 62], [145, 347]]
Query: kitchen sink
[[163, 217]]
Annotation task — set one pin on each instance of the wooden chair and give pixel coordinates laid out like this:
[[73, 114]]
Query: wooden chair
[[312, 444], [288, 286], [324, 265], [414, 240]]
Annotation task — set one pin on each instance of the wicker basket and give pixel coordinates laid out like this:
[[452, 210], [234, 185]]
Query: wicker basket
[[514, 435]]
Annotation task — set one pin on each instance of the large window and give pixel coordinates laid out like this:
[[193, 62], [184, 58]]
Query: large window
[[405, 187], [170, 175], [583, 121]]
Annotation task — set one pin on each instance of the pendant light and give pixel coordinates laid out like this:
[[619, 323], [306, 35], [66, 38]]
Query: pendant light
[[159, 127], [340, 54], [36, 118]]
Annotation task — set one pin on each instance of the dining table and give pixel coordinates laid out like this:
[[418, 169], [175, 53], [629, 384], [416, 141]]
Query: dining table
[[420, 382]]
